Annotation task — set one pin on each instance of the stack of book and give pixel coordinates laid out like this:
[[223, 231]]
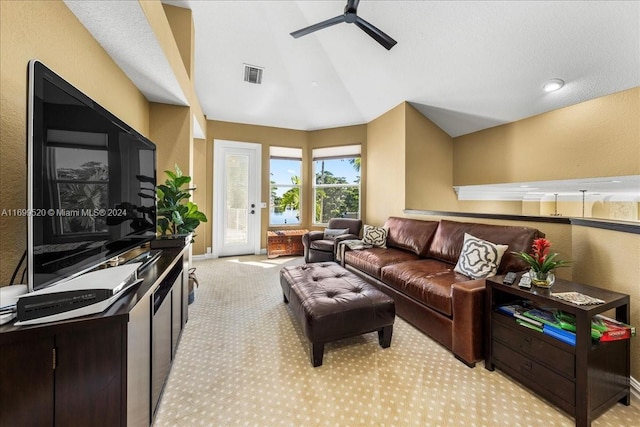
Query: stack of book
[[611, 329], [562, 326], [551, 325]]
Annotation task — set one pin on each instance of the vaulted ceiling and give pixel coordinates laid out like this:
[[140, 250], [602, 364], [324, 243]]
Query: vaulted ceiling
[[466, 66]]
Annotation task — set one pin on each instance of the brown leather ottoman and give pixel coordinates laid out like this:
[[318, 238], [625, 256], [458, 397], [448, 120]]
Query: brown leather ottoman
[[332, 303]]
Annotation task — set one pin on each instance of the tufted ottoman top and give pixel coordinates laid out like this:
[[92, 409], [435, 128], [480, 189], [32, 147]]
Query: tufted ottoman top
[[333, 303]]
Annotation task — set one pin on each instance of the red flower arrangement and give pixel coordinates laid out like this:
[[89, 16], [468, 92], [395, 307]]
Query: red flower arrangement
[[541, 260]]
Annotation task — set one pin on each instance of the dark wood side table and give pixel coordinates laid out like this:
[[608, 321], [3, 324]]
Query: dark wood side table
[[584, 380]]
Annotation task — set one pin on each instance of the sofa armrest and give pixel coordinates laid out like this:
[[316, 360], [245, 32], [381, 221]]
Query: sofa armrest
[[337, 255], [307, 238], [343, 237], [468, 320]]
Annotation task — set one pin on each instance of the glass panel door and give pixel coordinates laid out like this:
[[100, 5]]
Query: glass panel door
[[237, 195]]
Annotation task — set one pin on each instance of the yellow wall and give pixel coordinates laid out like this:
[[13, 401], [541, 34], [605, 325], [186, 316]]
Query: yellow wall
[[183, 31], [175, 50], [609, 259], [203, 187], [385, 161], [429, 164], [171, 131], [48, 31], [596, 138]]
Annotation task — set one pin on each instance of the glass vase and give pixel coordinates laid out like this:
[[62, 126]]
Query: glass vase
[[542, 279]]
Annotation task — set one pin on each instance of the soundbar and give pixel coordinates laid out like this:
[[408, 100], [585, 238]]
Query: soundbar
[[89, 293]]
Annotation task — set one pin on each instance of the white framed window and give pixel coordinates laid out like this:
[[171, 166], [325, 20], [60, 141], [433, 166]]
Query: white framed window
[[285, 188], [336, 184]]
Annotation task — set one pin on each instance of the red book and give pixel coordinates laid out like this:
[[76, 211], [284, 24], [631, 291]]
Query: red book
[[616, 330]]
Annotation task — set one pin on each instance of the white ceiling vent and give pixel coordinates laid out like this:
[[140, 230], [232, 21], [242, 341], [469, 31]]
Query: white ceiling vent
[[253, 74]]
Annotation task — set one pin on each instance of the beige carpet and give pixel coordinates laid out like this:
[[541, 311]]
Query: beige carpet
[[243, 360]]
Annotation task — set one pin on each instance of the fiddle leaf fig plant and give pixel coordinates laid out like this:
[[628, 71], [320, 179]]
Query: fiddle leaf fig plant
[[176, 214]]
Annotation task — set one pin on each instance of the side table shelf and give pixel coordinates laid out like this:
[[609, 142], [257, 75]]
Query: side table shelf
[[585, 380]]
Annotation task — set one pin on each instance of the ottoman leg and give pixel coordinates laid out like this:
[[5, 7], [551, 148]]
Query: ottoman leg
[[384, 336], [284, 298], [316, 350]]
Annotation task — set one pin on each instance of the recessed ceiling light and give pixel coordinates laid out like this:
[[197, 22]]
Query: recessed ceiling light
[[314, 83], [553, 85]]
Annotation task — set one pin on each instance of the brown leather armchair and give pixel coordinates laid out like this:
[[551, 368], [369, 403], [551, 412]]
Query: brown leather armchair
[[319, 249]]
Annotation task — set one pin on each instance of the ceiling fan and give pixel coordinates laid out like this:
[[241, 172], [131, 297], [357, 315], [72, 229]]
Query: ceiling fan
[[350, 16]]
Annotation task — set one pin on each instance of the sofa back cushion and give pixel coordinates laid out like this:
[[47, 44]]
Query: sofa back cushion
[[449, 238], [410, 234]]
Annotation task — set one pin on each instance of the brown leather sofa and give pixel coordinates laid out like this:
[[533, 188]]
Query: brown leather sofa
[[417, 270]]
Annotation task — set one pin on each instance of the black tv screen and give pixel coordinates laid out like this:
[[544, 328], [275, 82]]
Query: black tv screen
[[91, 182]]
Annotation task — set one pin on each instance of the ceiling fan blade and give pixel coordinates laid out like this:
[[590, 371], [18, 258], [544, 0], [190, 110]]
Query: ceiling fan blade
[[318, 26], [379, 36], [352, 5]]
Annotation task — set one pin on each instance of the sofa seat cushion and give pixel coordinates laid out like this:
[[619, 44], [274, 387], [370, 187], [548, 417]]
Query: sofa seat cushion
[[372, 260], [322, 245], [428, 281]]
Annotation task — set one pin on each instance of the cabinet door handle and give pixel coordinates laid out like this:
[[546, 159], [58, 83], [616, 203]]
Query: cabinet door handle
[[525, 345]]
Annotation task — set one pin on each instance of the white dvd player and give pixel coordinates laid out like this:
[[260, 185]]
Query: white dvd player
[[89, 293]]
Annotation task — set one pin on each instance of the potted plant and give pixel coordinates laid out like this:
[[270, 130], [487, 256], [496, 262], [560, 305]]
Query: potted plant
[[176, 214], [541, 263]]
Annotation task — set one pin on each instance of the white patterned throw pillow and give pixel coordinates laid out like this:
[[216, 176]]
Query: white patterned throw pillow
[[375, 236], [479, 259]]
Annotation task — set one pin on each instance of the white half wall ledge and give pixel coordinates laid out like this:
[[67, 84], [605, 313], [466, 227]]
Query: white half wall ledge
[[612, 188]]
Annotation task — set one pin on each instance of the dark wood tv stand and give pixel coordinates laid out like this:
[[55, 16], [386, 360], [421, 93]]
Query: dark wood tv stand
[[584, 380], [107, 369]]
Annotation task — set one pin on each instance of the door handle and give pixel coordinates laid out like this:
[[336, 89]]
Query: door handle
[[253, 205], [252, 212]]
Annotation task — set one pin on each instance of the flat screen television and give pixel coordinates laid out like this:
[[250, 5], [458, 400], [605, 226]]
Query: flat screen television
[[91, 182]]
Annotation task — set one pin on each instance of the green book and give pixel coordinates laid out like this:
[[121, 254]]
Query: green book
[[543, 316], [528, 325]]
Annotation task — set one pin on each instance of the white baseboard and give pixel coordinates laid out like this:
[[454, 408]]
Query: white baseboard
[[202, 257], [210, 256], [635, 387]]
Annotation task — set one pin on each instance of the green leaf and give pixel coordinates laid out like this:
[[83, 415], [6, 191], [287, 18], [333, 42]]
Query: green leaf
[[199, 216], [176, 218], [172, 175], [182, 180]]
